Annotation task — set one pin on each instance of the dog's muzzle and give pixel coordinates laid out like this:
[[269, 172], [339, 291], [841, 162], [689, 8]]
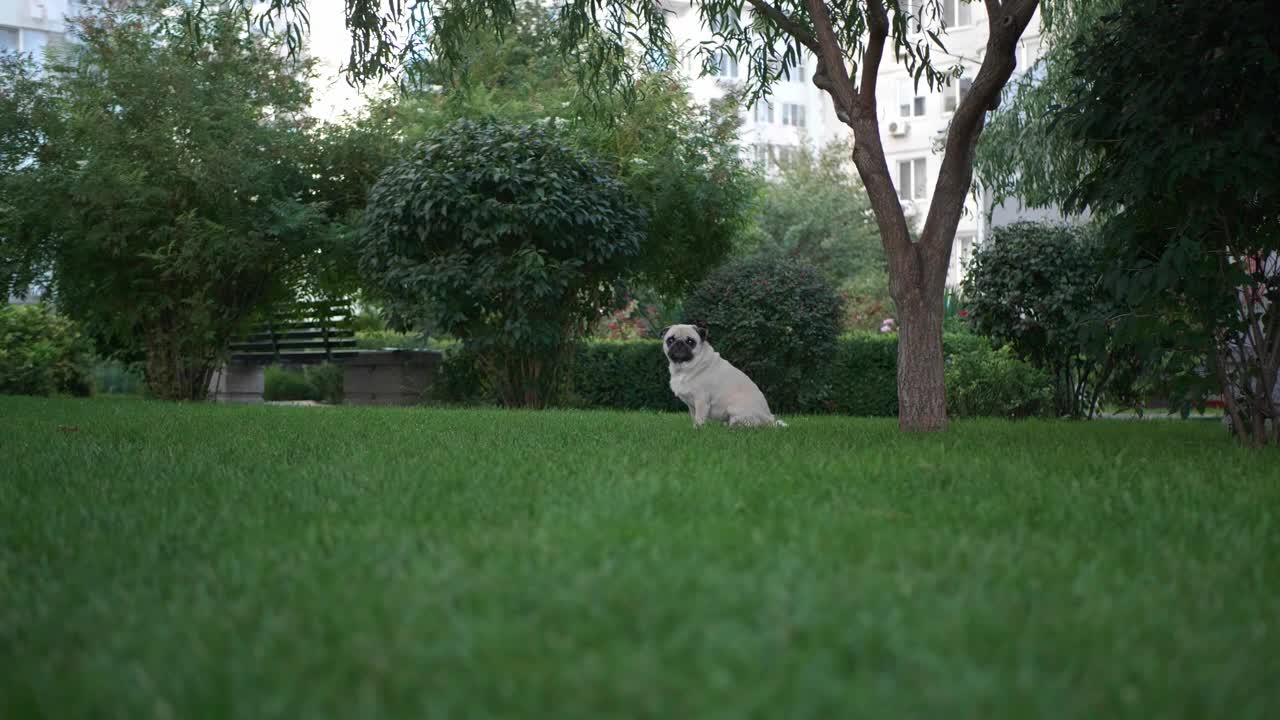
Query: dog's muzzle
[[679, 352]]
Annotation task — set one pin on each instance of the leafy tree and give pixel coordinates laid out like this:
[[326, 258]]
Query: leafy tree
[[813, 210], [510, 236], [679, 160], [1036, 288], [1178, 159], [176, 185], [342, 162], [27, 114], [600, 37]]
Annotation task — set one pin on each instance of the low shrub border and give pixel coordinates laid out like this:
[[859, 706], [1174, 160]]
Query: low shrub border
[[632, 375]]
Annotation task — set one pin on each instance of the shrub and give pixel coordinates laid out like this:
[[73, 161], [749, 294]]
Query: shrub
[[458, 380], [116, 377], [1035, 286], [864, 376], [325, 381], [775, 318], [319, 383], [504, 236], [383, 339], [995, 383], [633, 376], [623, 375], [282, 384], [41, 353]]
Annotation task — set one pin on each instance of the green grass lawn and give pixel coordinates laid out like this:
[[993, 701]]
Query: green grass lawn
[[166, 561]]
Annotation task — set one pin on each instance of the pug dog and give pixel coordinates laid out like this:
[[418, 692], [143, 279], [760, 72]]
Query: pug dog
[[710, 385]]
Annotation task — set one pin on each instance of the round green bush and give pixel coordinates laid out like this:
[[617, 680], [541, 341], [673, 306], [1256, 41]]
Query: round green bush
[[776, 319], [506, 237], [41, 353]]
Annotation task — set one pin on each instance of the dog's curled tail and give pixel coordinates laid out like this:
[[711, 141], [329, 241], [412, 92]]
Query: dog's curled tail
[[779, 423]]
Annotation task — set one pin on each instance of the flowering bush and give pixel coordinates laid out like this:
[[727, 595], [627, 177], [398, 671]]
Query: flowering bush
[[630, 322]]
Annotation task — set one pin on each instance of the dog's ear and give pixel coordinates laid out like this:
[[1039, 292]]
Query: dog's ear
[[702, 333], [662, 332]]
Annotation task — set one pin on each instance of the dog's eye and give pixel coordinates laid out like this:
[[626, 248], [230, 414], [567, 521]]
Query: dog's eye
[[691, 341], [670, 340]]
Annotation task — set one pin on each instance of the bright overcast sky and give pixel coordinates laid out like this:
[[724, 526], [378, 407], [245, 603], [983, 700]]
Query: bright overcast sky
[[330, 43]]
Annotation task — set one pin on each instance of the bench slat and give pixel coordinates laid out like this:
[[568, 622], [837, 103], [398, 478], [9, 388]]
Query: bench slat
[[291, 345]]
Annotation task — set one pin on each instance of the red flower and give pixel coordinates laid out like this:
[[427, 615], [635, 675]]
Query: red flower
[[613, 326], [964, 313]]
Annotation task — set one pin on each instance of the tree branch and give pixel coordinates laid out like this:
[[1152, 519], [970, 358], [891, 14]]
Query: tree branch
[[787, 24], [1005, 22], [831, 61], [877, 32]]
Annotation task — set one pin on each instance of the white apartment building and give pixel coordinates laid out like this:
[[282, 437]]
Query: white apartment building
[[913, 120], [796, 113], [29, 26]]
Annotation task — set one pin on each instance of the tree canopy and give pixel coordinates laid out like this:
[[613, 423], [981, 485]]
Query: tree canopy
[[169, 186], [680, 160], [508, 235], [1170, 148], [813, 208]]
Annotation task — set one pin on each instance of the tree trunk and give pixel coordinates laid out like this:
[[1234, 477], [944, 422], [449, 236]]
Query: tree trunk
[[178, 366], [917, 270], [922, 399]]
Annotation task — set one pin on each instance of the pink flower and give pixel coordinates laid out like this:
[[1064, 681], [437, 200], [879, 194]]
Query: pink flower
[[964, 313], [613, 326]]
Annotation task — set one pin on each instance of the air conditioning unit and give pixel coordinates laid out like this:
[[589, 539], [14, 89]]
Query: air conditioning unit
[[898, 128]]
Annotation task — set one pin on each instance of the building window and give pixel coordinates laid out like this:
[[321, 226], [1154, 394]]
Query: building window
[[956, 13], [726, 65], [31, 42], [764, 111], [963, 250], [786, 155], [954, 93], [761, 153], [913, 178], [34, 42], [910, 101], [913, 9], [9, 40], [793, 115]]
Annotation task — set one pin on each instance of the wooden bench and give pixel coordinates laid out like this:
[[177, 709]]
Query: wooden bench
[[317, 332], [291, 335], [299, 334]]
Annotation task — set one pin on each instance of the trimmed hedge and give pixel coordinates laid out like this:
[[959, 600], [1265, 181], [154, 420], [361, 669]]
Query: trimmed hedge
[[623, 375], [632, 375]]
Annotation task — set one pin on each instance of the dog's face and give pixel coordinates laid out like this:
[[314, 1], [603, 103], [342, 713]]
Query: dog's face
[[682, 343]]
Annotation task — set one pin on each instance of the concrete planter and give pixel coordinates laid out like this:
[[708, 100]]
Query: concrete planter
[[395, 377], [237, 382]]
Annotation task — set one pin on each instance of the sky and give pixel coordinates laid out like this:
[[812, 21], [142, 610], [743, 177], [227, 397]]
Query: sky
[[330, 43]]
